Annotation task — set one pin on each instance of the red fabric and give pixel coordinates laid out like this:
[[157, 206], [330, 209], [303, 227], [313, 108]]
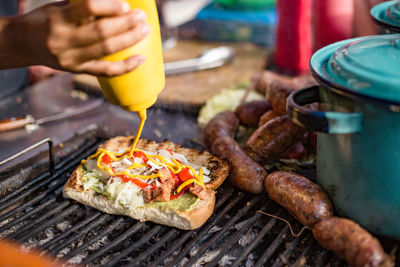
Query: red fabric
[[293, 42], [332, 22]]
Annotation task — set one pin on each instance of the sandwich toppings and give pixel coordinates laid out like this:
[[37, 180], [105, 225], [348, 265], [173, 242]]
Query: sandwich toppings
[[153, 176], [136, 177]]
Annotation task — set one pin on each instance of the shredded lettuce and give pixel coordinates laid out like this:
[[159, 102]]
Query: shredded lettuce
[[227, 99]]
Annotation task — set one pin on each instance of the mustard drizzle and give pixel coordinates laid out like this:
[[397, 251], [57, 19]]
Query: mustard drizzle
[[174, 167]]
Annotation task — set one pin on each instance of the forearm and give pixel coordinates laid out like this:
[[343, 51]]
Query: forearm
[[12, 51], [65, 37]]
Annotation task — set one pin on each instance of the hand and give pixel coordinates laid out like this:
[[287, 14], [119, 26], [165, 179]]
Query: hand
[[67, 37]]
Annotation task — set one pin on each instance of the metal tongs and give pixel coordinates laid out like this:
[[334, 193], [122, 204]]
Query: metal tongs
[[211, 58]]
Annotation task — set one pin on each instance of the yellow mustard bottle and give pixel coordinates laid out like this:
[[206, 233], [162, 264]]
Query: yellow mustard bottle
[[138, 89]]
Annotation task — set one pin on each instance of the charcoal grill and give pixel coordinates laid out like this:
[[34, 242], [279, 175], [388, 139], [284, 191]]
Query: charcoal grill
[[34, 214]]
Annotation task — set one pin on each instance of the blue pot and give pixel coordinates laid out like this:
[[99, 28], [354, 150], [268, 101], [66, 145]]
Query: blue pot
[[358, 157], [387, 15]]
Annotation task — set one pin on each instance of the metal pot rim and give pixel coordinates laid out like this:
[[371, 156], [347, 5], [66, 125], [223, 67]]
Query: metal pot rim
[[343, 90]]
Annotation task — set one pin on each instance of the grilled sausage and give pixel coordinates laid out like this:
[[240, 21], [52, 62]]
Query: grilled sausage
[[223, 124], [303, 198], [266, 78], [249, 113], [298, 151], [245, 173], [267, 116], [277, 93], [351, 242], [272, 140], [303, 81]]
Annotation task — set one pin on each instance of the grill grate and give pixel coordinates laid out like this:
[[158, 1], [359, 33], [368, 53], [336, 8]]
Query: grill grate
[[234, 235]]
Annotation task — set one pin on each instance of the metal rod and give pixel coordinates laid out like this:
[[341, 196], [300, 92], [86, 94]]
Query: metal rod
[[86, 221], [32, 185], [235, 237], [19, 190], [26, 215], [32, 147], [177, 243], [285, 255], [134, 246], [217, 215], [255, 242], [224, 229], [114, 243], [19, 194], [272, 247], [32, 201], [304, 252], [48, 223], [81, 233], [15, 210], [114, 226], [167, 237], [31, 225], [192, 242]]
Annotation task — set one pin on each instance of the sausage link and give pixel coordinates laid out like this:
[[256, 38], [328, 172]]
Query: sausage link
[[267, 116], [304, 81], [245, 173], [277, 93], [249, 113], [303, 198], [223, 124], [272, 140], [266, 78], [351, 242]]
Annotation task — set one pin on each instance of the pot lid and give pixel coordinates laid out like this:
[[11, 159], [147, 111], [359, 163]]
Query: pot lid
[[387, 14], [367, 67]]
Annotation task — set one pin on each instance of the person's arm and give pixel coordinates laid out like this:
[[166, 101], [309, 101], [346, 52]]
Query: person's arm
[[66, 37]]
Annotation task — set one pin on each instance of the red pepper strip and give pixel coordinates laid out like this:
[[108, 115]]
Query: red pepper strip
[[185, 175], [137, 182], [106, 159], [170, 152], [141, 155], [178, 194]]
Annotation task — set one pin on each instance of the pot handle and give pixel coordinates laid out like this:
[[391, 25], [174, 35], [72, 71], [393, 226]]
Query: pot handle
[[327, 122]]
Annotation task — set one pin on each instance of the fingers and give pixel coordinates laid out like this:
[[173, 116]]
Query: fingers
[[83, 9], [102, 29], [106, 47], [108, 68]]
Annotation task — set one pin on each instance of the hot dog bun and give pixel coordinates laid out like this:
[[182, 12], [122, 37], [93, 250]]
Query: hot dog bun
[[172, 216]]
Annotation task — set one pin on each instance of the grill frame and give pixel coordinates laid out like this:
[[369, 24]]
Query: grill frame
[[40, 208]]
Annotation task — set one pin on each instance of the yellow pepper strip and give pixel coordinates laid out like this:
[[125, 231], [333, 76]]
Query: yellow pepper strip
[[190, 181], [136, 165], [201, 176], [99, 160]]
